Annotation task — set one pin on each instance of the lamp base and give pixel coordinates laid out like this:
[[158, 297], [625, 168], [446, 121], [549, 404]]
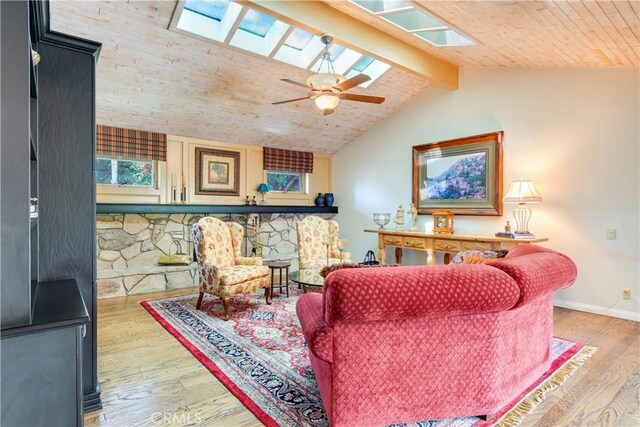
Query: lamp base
[[522, 214]]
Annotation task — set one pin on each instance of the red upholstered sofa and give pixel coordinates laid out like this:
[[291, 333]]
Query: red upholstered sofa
[[405, 344]]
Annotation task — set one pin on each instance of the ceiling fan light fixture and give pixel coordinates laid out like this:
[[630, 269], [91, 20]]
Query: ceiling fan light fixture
[[325, 81], [327, 101]]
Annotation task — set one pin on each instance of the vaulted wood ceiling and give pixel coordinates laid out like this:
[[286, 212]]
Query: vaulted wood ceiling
[[151, 78], [528, 33]]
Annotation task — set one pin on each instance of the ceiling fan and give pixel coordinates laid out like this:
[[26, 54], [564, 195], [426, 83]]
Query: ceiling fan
[[328, 88]]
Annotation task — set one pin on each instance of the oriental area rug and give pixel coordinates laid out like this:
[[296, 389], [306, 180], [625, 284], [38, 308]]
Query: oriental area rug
[[261, 357]]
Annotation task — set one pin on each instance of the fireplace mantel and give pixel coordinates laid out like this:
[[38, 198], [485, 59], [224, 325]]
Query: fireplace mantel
[[126, 208]]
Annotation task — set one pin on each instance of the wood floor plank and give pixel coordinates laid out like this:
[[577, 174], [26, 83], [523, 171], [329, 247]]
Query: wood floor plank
[[146, 374]]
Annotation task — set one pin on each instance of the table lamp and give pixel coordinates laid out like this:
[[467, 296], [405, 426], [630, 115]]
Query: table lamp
[[522, 192], [263, 188]]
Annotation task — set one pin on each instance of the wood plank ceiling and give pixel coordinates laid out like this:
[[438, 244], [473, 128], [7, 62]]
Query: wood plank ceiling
[[540, 34], [150, 78], [154, 79]]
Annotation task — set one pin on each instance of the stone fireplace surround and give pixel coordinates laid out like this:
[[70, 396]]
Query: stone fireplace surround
[[130, 244]]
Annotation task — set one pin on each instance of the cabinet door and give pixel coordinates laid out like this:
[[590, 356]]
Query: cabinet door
[[41, 379], [14, 164]]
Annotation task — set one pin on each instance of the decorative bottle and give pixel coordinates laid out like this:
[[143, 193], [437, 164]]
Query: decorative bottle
[[320, 200]]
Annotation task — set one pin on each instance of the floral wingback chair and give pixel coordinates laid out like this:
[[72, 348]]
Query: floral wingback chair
[[223, 271], [313, 234]]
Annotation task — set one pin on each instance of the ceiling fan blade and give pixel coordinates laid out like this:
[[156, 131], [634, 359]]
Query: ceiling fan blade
[[361, 98], [353, 82], [289, 100], [295, 83]]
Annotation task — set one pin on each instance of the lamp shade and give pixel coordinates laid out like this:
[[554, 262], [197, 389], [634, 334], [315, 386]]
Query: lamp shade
[[327, 101], [522, 191], [263, 188]]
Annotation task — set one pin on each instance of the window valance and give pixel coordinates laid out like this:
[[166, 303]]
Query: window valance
[[131, 144], [276, 159]]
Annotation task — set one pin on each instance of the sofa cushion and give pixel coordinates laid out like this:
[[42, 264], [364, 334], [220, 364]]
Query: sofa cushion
[[233, 275], [537, 271], [414, 292]]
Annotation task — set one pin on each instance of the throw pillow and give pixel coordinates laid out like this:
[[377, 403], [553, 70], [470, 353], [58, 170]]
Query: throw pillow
[[478, 260], [326, 270], [486, 254]]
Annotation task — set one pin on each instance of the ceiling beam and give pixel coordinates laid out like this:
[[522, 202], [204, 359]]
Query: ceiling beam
[[318, 17]]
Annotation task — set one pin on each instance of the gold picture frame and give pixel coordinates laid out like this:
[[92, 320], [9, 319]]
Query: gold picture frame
[[463, 176], [217, 172]]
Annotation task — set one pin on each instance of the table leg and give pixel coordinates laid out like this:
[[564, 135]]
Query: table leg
[[398, 256], [431, 259], [273, 272], [382, 256], [280, 281], [287, 276]]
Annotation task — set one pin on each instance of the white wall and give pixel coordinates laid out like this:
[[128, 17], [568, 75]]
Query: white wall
[[574, 133]]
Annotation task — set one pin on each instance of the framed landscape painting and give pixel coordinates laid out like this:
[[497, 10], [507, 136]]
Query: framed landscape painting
[[217, 172], [462, 175]]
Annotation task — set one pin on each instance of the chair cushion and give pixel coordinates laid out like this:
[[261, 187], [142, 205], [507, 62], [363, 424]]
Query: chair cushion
[[234, 275]]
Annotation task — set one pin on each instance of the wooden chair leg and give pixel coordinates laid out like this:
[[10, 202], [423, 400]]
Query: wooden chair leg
[[268, 294], [225, 306], [199, 303]]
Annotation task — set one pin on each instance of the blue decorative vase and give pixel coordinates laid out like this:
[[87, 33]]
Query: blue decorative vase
[[328, 199], [320, 200]]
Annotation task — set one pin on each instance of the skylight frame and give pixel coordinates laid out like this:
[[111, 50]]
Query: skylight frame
[[262, 45]]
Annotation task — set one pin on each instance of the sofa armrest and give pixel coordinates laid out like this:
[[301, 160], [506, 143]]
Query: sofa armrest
[[538, 271], [245, 260], [316, 332], [393, 293]]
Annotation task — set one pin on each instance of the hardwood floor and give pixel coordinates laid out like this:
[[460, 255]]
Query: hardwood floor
[[149, 378]]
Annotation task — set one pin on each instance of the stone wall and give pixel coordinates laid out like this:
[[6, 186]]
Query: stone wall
[[130, 245]]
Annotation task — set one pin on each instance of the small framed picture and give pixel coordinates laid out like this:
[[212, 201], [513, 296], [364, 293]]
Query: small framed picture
[[443, 222], [217, 172]]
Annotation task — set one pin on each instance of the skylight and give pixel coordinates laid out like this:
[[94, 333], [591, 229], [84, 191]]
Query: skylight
[[413, 20], [298, 39], [376, 6], [369, 66], [444, 38], [364, 62], [232, 24], [256, 23], [214, 9]]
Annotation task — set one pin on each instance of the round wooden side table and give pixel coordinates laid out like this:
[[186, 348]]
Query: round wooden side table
[[280, 266]]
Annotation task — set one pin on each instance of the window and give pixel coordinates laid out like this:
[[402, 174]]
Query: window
[[125, 172], [284, 182]]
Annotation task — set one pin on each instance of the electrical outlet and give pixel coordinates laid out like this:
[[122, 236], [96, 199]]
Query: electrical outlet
[[626, 293], [611, 234]]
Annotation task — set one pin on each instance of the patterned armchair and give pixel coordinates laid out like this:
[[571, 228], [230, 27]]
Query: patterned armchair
[[223, 271], [313, 233]]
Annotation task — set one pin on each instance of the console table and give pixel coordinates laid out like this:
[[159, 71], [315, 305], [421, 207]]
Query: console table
[[447, 243]]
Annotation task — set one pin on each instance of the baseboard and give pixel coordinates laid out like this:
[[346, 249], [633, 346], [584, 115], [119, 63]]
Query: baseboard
[[91, 400], [598, 309]]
